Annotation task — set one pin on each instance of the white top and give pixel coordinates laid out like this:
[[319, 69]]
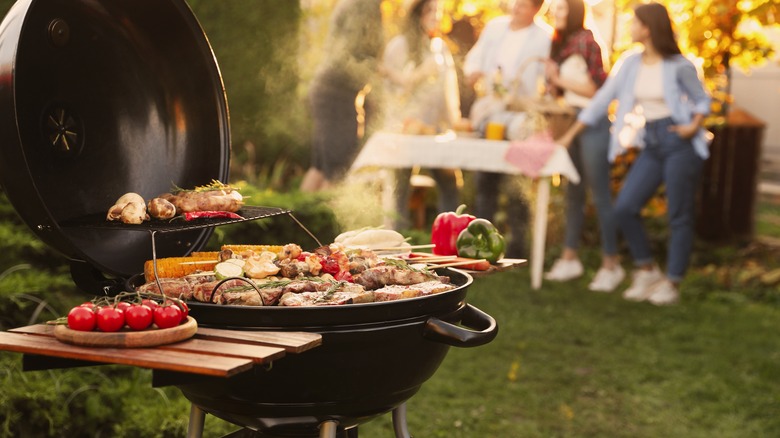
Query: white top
[[529, 46], [511, 45], [433, 98], [649, 91], [575, 69]]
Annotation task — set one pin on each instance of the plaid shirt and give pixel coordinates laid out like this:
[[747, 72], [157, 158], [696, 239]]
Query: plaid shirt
[[582, 43]]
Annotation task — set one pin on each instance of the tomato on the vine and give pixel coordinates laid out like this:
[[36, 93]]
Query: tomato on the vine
[[152, 304], [167, 316], [139, 316], [185, 311], [110, 319], [82, 318], [123, 306]]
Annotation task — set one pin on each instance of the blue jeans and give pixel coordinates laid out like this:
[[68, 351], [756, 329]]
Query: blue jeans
[[589, 154], [670, 160]]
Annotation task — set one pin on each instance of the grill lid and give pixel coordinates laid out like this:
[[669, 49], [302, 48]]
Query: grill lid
[[100, 98]]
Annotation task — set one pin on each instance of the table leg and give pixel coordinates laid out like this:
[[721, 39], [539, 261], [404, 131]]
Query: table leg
[[540, 231], [197, 420], [388, 200]]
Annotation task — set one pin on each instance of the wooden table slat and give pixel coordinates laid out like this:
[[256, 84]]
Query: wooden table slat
[[142, 357], [257, 353], [292, 342]]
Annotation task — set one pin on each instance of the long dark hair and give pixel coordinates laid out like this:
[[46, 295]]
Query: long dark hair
[[415, 33], [656, 18], [575, 22]]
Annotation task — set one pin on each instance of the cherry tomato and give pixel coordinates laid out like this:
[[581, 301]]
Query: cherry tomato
[[87, 304], [123, 306], [167, 316], [185, 311], [152, 304], [110, 319], [139, 316], [82, 319]]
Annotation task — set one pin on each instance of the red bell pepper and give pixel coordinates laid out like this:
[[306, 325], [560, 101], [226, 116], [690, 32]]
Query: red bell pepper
[[211, 215], [446, 228]]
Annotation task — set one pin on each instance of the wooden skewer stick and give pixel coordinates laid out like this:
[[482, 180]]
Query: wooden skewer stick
[[464, 262], [405, 247], [432, 259]]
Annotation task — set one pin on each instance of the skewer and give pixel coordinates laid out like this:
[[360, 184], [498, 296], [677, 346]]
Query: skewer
[[464, 262], [405, 247], [199, 262], [432, 259]]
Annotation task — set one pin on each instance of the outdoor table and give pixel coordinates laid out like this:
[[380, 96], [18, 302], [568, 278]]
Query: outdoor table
[[391, 150], [210, 352]]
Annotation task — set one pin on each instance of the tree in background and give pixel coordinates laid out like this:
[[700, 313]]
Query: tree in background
[[719, 34]]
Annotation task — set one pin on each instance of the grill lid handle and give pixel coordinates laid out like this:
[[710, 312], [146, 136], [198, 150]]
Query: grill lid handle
[[479, 329]]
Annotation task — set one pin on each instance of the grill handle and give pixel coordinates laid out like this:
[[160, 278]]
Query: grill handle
[[479, 328]]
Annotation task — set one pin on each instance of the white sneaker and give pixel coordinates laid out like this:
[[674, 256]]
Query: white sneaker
[[642, 286], [664, 294], [606, 280], [564, 270]]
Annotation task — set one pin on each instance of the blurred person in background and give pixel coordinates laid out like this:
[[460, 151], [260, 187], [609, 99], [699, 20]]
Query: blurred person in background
[[575, 71], [658, 85], [353, 45], [507, 50], [421, 94]]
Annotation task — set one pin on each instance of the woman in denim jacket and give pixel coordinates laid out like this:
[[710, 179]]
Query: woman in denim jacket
[[661, 104]]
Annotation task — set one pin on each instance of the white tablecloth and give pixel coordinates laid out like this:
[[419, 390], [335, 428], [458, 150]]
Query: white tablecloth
[[390, 150], [385, 149]]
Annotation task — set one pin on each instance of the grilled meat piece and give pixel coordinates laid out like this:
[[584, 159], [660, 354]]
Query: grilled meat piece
[[291, 268], [346, 293], [181, 287], [203, 292], [361, 259], [379, 276], [251, 297], [398, 291]]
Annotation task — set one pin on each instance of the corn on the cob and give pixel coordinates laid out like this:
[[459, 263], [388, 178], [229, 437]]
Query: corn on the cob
[[206, 255], [257, 249], [175, 267]]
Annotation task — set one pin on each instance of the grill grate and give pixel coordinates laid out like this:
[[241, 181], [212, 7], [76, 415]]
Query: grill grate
[[98, 221]]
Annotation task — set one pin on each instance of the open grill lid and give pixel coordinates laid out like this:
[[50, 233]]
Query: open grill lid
[[99, 98]]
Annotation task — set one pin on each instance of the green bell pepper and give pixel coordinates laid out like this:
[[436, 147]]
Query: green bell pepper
[[481, 240]]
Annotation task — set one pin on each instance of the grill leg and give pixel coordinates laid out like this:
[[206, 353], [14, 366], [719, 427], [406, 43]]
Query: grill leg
[[197, 419], [399, 422], [328, 429]]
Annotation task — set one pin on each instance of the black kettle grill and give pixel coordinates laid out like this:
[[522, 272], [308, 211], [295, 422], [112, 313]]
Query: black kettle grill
[[103, 97]]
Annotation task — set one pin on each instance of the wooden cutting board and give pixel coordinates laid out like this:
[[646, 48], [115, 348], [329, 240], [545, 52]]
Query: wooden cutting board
[[127, 338]]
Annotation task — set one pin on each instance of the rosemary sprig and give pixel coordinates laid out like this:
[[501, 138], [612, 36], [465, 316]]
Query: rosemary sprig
[[272, 284], [402, 264], [335, 285], [214, 185]]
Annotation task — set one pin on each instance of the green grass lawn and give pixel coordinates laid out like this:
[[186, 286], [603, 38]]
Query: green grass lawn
[[572, 363], [566, 363]]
